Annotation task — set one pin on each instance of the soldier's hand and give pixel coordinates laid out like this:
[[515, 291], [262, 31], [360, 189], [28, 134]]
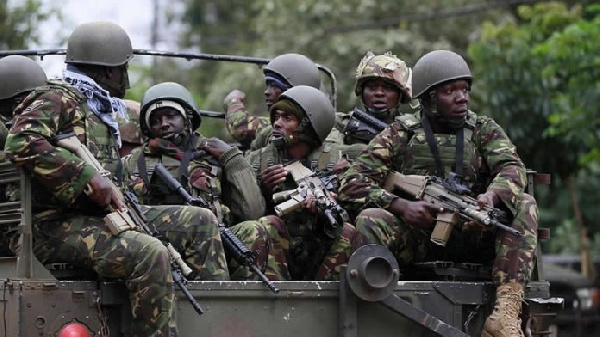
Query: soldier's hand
[[215, 146], [273, 176], [104, 193], [487, 199], [234, 96], [310, 202], [415, 213]]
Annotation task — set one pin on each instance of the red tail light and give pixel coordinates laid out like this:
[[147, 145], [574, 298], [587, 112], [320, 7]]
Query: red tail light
[[596, 297], [74, 330]]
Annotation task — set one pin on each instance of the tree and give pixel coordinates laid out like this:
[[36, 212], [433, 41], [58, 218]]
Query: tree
[[19, 23], [526, 78]]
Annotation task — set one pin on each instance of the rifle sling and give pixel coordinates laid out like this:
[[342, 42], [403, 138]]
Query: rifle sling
[[458, 164]]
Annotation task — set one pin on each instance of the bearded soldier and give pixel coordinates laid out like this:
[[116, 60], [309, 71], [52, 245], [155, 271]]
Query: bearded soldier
[[447, 137], [72, 196], [301, 245]]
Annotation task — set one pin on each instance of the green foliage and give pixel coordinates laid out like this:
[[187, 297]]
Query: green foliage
[[335, 33], [19, 22], [536, 77]]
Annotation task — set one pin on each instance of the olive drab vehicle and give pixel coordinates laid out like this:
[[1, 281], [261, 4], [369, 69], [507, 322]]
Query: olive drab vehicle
[[373, 298]]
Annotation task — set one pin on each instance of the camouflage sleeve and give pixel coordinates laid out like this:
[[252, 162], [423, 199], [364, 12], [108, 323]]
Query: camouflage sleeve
[[507, 169], [371, 168], [262, 138], [131, 175], [245, 198], [29, 144], [241, 125]]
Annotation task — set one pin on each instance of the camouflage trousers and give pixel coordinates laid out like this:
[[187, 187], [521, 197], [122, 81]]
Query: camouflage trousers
[[269, 239], [142, 261], [512, 257]]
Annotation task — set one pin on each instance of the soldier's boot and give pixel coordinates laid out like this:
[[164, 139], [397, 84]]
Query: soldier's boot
[[504, 320]]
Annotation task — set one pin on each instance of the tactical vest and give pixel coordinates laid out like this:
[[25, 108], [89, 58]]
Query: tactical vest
[[418, 158], [202, 179]]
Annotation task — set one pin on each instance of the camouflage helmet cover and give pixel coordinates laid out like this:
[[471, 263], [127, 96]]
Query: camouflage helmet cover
[[296, 69], [315, 105], [20, 74], [164, 94], [99, 43], [387, 67], [129, 125], [437, 67]]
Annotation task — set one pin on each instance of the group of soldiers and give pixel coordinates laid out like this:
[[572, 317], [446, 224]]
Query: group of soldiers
[[242, 190]]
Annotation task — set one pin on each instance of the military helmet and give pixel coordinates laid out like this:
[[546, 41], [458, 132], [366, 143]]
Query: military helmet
[[129, 125], [315, 105], [19, 74], [437, 67], [164, 95], [99, 43], [387, 67], [296, 69]]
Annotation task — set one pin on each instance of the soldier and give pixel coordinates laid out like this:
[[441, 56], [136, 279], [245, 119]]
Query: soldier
[[296, 246], [281, 73], [21, 75], [208, 167], [445, 137], [129, 127], [71, 197], [383, 85], [25, 75]]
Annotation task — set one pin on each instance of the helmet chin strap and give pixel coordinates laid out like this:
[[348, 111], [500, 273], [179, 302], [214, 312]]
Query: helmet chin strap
[[432, 111]]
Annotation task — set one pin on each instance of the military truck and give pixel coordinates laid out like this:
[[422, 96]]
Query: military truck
[[373, 298]]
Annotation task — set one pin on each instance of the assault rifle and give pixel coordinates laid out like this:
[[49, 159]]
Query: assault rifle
[[363, 126], [234, 246], [291, 200], [452, 197], [131, 218]]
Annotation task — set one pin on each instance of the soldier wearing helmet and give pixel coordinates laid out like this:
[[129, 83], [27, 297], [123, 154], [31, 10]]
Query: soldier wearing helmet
[[25, 75], [72, 197], [383, 86], [21, 75], [170, 122], [298, 246], [281, 73], [446, 139]]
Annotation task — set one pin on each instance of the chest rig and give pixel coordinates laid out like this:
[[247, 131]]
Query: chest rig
[[428, 153]]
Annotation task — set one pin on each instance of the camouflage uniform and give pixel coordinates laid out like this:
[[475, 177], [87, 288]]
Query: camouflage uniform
[[295, 247], [207, 178], [129, 127], [282, 249], [490, 162], [21, 75], [287, 70], [69, 227]]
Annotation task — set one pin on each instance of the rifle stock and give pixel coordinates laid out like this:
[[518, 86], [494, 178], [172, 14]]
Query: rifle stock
[[454, 206], [131, 218], [231, 242]]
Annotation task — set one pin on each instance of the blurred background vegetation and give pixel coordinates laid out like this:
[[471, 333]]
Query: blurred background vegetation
[[536, 66]]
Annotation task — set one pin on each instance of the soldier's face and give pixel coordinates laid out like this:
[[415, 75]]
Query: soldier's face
[[166, 123], [272, 93], [380, 95], [285, 123], [453, 99]]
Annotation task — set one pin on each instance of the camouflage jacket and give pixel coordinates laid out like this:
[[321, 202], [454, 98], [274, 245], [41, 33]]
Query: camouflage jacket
[[227, 183], [51, 110], [490, 162], [322, 160]]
